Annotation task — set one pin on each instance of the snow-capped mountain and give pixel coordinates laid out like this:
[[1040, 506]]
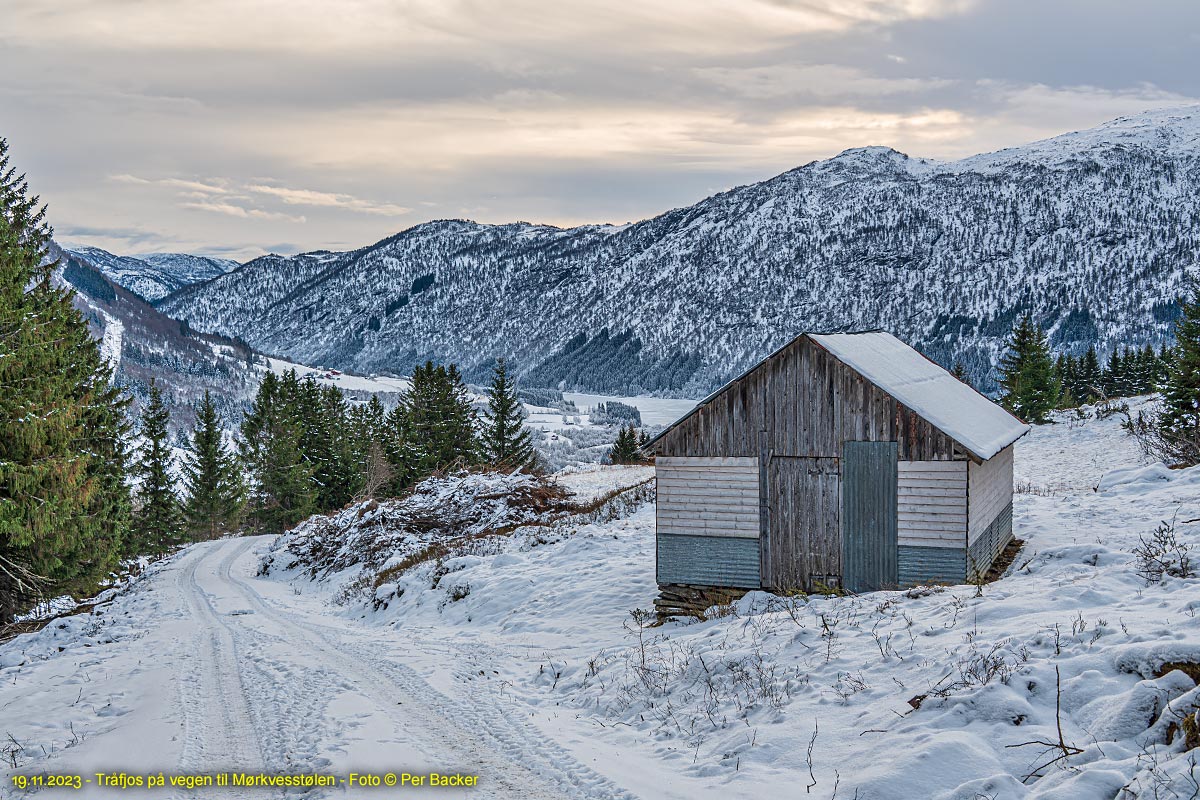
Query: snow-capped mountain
[[155, 275], [1091, 231]]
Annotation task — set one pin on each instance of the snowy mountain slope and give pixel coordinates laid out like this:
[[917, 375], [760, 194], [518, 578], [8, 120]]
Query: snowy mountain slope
[[145, 345], [155, 275], [1092, 231]]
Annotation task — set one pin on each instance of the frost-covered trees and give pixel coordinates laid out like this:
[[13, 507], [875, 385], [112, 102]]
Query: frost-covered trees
[[505, 440], [1027, 373], [64, 504], [158, 523], [212, 478]]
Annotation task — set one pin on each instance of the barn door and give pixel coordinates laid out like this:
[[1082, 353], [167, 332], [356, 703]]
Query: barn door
[[869, 515], [801, 547]]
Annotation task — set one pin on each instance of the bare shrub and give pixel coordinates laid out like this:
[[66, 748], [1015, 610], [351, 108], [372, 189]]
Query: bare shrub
[[1178, 446], [1162, 554]]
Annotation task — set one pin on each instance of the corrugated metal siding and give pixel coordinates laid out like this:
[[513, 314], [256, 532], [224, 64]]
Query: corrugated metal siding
[[987, 545], [932, 503], [869, 516], [991, 488], [708, 561], [708, 496], [922, 565]]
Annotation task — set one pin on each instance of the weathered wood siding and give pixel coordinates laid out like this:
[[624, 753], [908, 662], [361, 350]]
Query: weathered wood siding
[[991, 489], [803, 402], [708, 496], [932, 503], [791, 416], [803, 546]]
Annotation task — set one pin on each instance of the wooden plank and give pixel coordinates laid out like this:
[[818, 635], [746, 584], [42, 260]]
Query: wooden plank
[[909, 524], [904, 491], [905, 467], [670, 528], [707, 461]]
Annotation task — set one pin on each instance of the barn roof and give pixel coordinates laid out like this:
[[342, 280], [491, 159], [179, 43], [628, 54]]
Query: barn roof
[[982, 427], [963, 414]]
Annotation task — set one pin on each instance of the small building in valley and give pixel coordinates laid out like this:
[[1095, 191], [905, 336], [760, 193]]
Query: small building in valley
[[843, 460]]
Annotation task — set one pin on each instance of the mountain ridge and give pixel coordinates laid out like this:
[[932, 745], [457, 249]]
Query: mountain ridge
[[1091, 231]]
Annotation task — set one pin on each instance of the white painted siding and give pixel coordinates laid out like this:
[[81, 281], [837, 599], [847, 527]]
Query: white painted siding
[[708, 496], [932, 503], [991, 487]]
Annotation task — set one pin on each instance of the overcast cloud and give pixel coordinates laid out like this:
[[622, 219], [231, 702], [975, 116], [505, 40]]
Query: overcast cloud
[[236, 127]]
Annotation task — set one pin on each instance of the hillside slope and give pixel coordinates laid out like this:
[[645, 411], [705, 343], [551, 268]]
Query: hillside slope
[[1092, 231]]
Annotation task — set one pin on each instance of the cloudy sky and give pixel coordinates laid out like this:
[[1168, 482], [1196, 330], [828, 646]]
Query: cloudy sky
[[237, 127]]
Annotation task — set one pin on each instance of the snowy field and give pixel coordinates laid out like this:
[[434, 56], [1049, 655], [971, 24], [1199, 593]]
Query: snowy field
[[526, 666], [654, 410]]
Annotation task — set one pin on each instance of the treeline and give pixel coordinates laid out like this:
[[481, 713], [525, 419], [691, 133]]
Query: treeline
[[303, 449], [1035, 383]]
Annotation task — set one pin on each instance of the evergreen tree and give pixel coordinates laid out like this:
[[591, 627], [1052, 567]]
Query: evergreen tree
[[627, 448], [64, 503], [282, 491], [432, 428], [505, 439], [212, 479], [158, 523], [372, 471], [960, 373], [1181, 394], [1090, 378], [1027, 373]]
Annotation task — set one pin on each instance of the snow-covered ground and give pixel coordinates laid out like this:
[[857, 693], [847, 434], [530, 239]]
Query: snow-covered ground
[[329, 377], [111, 340], [654, 410], [526, 666]]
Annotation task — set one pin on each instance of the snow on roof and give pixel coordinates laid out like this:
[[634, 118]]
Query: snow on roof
[[962, 413]]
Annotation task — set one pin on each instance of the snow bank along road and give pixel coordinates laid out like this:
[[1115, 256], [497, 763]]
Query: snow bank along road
[[222, 679]]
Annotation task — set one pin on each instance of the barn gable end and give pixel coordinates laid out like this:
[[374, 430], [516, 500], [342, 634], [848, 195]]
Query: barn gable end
[[810, 438]]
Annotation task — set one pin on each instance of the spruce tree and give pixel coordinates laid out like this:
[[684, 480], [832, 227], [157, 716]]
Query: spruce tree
[[281, 492], [1090, 377], [64, 502], [432, 428], [505, 439], [212, 478], [1027, 373], [627, 448], [1181, 394], [158, 523]]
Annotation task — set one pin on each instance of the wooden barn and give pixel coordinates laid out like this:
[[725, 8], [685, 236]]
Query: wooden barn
[[843, 460]]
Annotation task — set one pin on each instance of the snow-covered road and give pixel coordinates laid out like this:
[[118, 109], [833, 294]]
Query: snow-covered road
[[227, 680]]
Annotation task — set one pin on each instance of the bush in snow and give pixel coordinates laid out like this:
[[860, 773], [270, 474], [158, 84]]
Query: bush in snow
[[378, 536], [1162, 554]]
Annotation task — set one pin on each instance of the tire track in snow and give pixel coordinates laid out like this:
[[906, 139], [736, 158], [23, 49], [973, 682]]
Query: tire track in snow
[[529, 764], [219, 734]]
